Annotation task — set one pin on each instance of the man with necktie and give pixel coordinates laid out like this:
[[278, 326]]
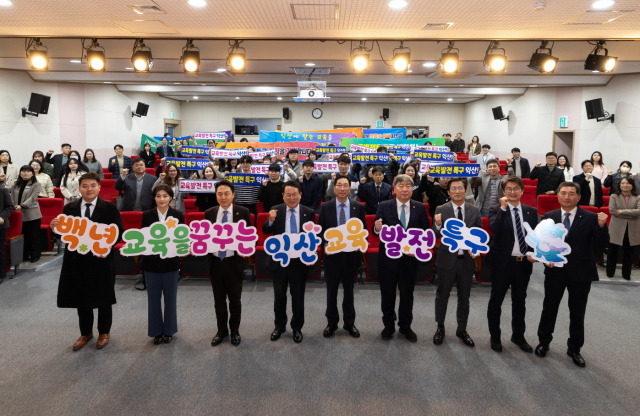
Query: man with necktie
[[374, 192], [288, 218], [226, 268], [455, 267], [399, 273], [163, 151], [510, 266], [340, 266], [587, 234]]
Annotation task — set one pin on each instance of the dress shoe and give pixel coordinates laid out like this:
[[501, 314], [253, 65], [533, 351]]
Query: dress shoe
[[158, 340], [522, 343], [496, 345], [352, 330], [541, 350], [82, 341], [275, 335], [35, 259], [329, 331], [103, 340], [167, 339], [439, 336], [409, 334], [577, 358], [235, 339], [219, 337], [387, 333], [297, 336], [466, 339]]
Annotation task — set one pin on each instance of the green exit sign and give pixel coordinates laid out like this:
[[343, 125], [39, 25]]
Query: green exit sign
[[379, 124], [564, 122]]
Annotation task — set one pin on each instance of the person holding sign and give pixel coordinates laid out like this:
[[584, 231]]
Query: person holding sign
[[511, 267], [161, 275], [227, 267], [455, 267], [288, 218], [401, 272], [271, 190], [588, 234], [340, 266], [87, 281]]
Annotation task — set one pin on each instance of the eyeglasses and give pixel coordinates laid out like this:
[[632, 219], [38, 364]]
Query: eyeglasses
[[512, 189], [457, 188], [291, 195]]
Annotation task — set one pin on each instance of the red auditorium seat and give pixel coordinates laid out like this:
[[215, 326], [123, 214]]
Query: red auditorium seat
[[371, 256], [14, 244], [108, 175], [547, 203], [193, 216], [108, 191], [49, 208], [606, 211], [151, 171], [589, 208], [58, 193], [605, 190], [605, 201], [528, 181], [190, 206], [529, 196], [127, 266]]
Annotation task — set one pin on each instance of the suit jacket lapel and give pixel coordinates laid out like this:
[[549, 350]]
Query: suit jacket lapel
[[576, 221], [333, 219]]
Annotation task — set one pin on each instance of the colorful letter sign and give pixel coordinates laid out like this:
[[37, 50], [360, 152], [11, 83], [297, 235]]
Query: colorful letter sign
[[351, 236], [303, 246], [415, 241], [548, 243], [85, 236], [457, 236]]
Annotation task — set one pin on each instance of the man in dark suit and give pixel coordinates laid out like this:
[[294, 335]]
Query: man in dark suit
[[227, 267], [288, 218], [118, 163], [86, 281], [400, 273], [448, 142], [340, 266], [510, 266], [136, 188], [58, 161], [6, 208], [549, 176], [455, 267], [587, 231], [518, 166], [590, 186], [372, 193], [163, 151], [458, 144]]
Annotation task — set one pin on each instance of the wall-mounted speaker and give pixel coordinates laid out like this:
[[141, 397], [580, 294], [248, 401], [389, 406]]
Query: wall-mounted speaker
[[286, 113], [142, 109], [594, 108], [497, 113], [385, 113], [39, 103]]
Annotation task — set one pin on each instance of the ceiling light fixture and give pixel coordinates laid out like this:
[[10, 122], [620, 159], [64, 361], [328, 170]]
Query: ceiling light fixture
[[279, 98], [195, 97], [198, 3], [397, 4], [360, 57], [141, 58], [36, 53], [190, 59], [542, 61], [6, 3], [495, 59], [94, 56], [450, 59], [309, 64], [430, 64], [364, 98], [600, 63], [449, 99], [602, 4], [401, 58], [237, 56]]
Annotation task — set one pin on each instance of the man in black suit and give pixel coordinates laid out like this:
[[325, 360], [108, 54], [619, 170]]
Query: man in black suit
[[340, 266], [510, 266], [448, 142], [163, 151], [58, 161], [136, 188], [517, 165], [288, 218], [549, 176], [6, 208], [590, 186], [227, 267], [455, 267], [86, 281], [587, 231], [458, 144], [372, 193], [400, 273]]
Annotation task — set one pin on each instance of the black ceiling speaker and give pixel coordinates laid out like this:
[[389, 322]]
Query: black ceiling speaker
[[141, 110], [596, 110], [498, 114], [38, 104]]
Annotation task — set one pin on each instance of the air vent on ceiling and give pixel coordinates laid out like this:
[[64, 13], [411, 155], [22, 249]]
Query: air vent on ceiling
[[437, 26], [147, 9], [315, 11], [597, 17]]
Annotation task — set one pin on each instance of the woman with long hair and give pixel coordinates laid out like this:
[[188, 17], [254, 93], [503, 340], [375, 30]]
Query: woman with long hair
[[206, 200], [474, 147], [8, 171], [565, 167], [172, 177], [46, 166], [46, 184], [92, 164], [24, 194], [413, 172], [70, 184], [599, 168], [624, 229], [147, 155]]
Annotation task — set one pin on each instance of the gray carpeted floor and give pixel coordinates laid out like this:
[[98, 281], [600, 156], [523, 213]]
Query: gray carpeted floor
[[339, 376]]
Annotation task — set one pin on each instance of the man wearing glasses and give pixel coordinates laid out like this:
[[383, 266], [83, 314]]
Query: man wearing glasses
[[510, 265]]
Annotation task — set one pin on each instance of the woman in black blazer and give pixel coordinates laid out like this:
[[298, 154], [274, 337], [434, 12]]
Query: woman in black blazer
[[161, 275], [148, 156]]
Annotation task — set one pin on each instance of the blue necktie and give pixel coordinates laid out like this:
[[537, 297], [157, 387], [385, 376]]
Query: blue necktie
[[223, 253], [343, 217], [521, 242], [403, 217], [566, 222], [292, 221]]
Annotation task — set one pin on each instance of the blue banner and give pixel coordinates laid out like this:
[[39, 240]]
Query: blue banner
[[199, 151], [330, 149], [384, 133], [376, 158], [433, 156], [188, 164], [245, 179]]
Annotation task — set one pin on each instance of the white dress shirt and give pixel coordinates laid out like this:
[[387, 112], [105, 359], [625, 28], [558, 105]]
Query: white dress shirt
[[229, 253], [83, 207], [287, 223], [406, 212]]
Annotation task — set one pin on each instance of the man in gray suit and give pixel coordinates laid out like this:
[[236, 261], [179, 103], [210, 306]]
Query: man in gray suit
[[454, 267], [490, 191], [136, 188]]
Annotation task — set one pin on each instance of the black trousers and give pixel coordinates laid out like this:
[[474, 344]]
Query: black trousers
[[402, 278], [226, 282], [3, 238], [516, 275], [341, 267], [612, 257], [85, 316], [461, 274], [294, 277], [31, 231], [578, 294]]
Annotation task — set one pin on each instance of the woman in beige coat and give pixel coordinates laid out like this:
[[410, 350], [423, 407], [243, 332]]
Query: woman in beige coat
[[624, 230], [24, 194]]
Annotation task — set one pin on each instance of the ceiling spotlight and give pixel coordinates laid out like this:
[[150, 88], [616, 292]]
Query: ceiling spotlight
[[449, 99], [94, 55], [309, 64], [495, 59], [600, 63], [602, 4], [37, 54], [364, 98], [406, 99], [430, 64], [190, 58], [397, 4], [360, 57], [141, 58], [237, 56], [195, 97], [450, 59], [401, 58], [198, 3], [279, 98], [542, 61]]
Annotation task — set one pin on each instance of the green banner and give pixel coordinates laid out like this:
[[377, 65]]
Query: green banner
[[392, 143]]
